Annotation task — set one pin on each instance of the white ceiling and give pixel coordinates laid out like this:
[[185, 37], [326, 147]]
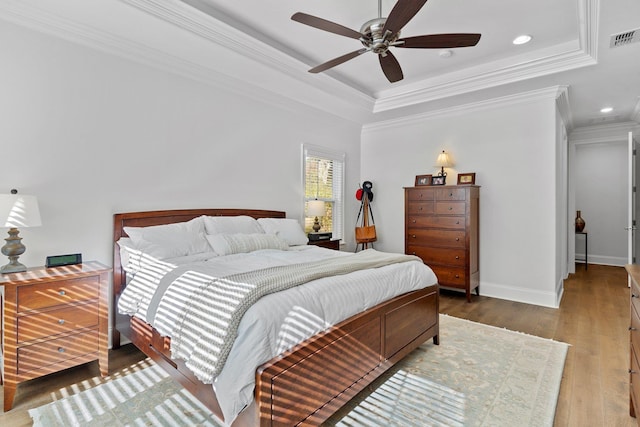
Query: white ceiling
[[570, 47]]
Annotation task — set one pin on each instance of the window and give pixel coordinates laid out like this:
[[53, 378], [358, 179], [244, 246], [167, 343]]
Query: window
[[324, 180]]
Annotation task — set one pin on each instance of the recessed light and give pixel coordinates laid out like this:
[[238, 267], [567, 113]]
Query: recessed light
[[606, 110], [522, 39]]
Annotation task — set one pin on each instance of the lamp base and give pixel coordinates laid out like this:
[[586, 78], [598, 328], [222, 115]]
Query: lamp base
[[13, 267], [13, 249], [316, 225]]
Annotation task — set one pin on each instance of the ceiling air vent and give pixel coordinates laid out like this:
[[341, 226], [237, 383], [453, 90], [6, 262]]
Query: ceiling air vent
[[627, 37]]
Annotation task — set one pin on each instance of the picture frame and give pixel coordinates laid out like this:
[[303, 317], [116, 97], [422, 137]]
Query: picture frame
[[423, 180], [438, 180], [467, 178]]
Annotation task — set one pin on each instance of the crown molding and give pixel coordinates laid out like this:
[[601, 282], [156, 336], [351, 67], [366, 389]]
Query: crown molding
[[557, 59], [564, 108], [550, 93], [614, 132]]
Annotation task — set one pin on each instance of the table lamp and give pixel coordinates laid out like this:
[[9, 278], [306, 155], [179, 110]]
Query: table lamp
[[316, 208], [443, 162], [17, 210]]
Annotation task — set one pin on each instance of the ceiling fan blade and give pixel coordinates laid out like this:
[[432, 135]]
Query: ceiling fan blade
[[337, 61], [439, 41], [402, 13], [391, 67], [323, 24]]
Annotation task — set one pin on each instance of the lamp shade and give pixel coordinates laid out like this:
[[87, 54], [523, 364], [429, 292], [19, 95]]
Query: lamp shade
[[19, 211], [443, 160], [316, 208]]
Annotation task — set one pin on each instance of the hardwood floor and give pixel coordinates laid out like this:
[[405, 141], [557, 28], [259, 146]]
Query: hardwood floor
[[593, 317]]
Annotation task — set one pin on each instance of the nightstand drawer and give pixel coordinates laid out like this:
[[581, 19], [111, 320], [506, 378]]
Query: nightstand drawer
[[57, 321], [54, 293], [55, 351]]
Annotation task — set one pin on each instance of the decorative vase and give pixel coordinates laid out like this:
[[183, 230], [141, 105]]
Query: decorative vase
[[579, 222]]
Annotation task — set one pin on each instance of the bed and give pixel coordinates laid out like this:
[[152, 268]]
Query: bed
[[311, 380]]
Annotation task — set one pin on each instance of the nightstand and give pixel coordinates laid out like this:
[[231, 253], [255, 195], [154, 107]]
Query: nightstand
[[329, 244], [53, 319]]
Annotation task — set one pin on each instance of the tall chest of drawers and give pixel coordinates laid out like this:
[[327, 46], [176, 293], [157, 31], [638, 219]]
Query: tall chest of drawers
[[442, 228], [53, 319]]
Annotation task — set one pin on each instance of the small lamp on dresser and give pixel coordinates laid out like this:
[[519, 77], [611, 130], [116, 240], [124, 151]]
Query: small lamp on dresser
[[443, 162], [17, 210]]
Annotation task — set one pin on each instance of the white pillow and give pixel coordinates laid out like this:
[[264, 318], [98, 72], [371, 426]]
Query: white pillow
[[242, 224], [227, 244], [287, 229], [170, 240], [129, 256]]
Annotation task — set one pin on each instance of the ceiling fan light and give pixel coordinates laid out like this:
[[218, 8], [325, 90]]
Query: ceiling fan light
[[525, 38]]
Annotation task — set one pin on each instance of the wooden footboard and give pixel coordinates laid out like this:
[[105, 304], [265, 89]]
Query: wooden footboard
[[312, 381]]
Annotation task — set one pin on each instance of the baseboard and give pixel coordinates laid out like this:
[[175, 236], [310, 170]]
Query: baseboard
[[528, 296], [603, 260]]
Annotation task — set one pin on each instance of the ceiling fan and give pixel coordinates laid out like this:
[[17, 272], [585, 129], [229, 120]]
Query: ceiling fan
[[379, 34]]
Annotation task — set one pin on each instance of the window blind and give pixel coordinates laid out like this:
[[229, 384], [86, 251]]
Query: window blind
[[323, 179]]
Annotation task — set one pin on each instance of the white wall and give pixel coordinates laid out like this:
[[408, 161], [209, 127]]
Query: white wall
[[511, 145], [601, 195], [92, 134]]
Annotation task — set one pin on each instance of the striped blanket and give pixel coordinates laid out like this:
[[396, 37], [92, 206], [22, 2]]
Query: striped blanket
[[204, 332]]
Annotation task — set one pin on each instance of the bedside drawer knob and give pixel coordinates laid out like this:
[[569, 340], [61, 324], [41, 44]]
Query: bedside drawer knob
[[457, 276], [60, 349], [414, 221], [62, 293], [631, 328], [457, 239], [457, 222], [61, 321], [413, 235], [450, 194], [457, 257], [450, 208], [413, 253], [420, 208]]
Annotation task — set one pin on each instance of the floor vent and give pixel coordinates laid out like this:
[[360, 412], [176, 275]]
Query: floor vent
[[627, 37]]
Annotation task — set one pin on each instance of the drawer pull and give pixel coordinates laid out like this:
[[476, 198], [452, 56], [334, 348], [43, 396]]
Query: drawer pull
[[61, 321], [62, 293], [631, 328], [414, 221], [420, 208], [450, 194], [457, 222], [450, 208], [457, 276], [60, 349], [457, 257], [413, 253], [457, 239], [413, 235]]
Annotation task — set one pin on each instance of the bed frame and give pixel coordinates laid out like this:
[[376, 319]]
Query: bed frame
[[309, 383]]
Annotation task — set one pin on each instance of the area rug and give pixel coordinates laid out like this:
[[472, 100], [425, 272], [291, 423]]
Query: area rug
[[478, 376]]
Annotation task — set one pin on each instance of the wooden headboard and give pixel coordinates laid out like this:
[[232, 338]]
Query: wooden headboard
[[146, 219]]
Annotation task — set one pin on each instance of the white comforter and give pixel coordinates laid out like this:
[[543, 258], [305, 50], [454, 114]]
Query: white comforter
[[278, 321]]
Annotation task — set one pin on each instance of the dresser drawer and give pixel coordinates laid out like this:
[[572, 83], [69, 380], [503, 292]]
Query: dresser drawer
[[450, 222], [451, 194], [421, 194], [55, 351], [54, 293], [453, 257], [421, 208], [436, 237], [57, 321], [635, 330], [450, 276], [451, 208]]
